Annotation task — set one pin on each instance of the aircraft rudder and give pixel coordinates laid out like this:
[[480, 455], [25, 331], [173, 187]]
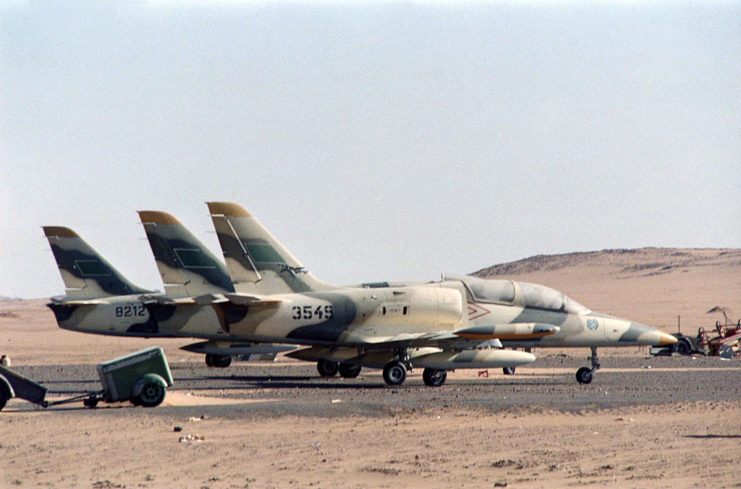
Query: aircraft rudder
[[85, 273], [186, 265], [257, 261]]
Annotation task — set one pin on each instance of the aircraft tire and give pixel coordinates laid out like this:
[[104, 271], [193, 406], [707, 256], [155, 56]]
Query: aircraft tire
[[221, 361], [327, 368], [584, 375], [209, 360], [394, 373], [508, 370], [349, 370], [434, 377]]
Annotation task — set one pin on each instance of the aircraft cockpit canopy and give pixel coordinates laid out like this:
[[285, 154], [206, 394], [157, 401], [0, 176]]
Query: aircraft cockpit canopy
[[491, 290], [533, 295], [543, 297]]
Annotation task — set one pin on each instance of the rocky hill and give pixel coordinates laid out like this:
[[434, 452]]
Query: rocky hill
[[642, 261]]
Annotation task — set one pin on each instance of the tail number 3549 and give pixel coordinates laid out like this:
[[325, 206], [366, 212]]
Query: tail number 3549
[[311, 312]]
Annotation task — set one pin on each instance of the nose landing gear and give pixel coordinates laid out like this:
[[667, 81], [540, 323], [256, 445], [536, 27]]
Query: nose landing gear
[[584, 374]]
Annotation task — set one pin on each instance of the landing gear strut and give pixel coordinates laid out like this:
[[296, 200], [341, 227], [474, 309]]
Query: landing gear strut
[[584, 374]]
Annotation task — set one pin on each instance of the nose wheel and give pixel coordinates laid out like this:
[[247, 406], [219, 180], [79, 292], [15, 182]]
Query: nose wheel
[[584, 374]]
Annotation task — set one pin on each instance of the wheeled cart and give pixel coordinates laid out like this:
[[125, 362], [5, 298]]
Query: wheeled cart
[[141, 377], [13, 384]]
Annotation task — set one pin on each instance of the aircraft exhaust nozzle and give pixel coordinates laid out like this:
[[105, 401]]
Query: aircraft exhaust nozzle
[[450, 360]]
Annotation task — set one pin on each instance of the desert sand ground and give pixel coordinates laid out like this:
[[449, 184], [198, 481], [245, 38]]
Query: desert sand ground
[[233, 443]]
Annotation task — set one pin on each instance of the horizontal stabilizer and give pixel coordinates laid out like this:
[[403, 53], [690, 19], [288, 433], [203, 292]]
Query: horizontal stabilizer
[[251, 300], [91, 302], [207, 299], [165, 300]]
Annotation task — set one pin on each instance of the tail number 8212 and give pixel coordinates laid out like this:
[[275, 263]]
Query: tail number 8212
[[130, 310]]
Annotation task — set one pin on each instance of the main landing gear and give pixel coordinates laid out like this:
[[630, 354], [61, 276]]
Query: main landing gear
[[434, 377], [395, 372], [584, 374], [218, 361], [329, 368]]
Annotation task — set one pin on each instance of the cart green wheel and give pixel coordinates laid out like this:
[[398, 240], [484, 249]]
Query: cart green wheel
[[149, 391]]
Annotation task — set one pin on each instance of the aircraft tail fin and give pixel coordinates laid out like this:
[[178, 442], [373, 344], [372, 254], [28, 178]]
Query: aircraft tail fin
[[188, 268], [86, 274], [258, 263]]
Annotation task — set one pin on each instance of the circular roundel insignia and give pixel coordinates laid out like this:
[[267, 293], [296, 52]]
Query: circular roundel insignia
[[592, 323]]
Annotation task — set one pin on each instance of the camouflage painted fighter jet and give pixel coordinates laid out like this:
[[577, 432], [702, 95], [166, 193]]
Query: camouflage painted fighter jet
[[440, 326], [100, 300], [347, 328], [190, 271]]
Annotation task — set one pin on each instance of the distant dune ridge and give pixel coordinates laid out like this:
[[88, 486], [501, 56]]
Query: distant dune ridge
[[642, 261], [650, 285]]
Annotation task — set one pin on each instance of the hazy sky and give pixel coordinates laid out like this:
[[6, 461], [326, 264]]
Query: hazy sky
[[377, 140]]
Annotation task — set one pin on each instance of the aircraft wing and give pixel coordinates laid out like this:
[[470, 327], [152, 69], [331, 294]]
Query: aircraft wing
[[466, 338], [242, 300], [251, 300]]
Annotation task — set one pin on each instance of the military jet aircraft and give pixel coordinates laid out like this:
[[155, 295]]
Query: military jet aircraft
[[437, 325], [440, 326], [350, 327], [100, 300]]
